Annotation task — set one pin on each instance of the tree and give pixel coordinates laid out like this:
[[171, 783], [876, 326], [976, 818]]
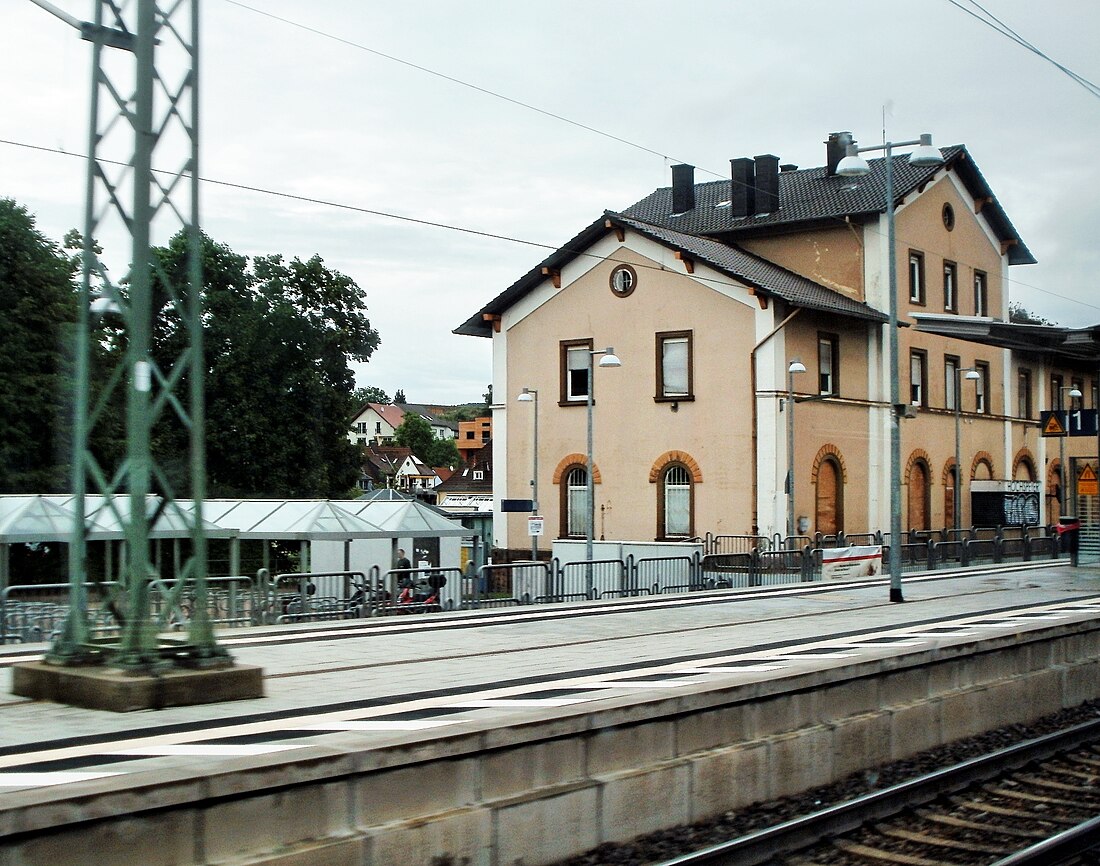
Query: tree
[[371, 394], [399, 398], [1020, 315], [488, 395], [37, 317], [443, 453], [415, 433], [279, 389]]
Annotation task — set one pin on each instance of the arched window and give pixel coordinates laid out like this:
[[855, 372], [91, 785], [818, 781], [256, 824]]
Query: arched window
[[675, 507], [575, 502]]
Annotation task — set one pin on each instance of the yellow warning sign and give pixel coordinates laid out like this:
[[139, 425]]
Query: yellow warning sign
[[1087, 483], [1053, 426]]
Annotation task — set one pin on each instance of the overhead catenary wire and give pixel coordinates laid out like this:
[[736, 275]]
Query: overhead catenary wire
[[457, 228], [460, 82], [992, 21], [998, 25]]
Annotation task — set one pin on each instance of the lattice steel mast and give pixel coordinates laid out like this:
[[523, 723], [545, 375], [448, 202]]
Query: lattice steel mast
[[144, 106]]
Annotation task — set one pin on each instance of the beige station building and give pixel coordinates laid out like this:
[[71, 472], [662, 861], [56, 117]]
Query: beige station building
[[712, 293]]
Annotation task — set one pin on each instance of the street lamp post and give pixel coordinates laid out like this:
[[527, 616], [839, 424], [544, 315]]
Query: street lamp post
[[531, 395], [609, 359], [1074, 393], [796, 366], [854, 166], [972, 374]]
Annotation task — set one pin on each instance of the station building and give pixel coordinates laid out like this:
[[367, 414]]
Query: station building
[[750, 317]]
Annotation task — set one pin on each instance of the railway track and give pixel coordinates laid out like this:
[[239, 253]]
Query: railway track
[[1033, 804]]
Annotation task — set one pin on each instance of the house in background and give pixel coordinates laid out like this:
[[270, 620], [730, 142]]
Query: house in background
[[470, 487], [473, 435], [709, 293], [395, 466], [375, 422]]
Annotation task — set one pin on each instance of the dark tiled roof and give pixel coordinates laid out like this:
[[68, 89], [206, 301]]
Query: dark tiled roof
[[1063, 344], [770, 279], [809, 198], [759, 273]]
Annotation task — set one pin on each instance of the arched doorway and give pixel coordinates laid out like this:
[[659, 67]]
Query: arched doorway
[[919, 497], [829, 498]]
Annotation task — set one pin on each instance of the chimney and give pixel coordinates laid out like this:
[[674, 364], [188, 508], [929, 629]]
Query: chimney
[[683, 188], [742, 191], [835, 150], [767, 183]]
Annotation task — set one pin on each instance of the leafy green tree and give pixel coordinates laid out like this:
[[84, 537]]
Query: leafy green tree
[[1019, 314], [443, 453], [415, 433], [37, 316], [371, 394], [279, 336], [488, 395], [399, 398]]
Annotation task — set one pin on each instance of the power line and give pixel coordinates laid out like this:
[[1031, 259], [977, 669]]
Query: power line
[[461, 83], [992, 21], [448, 226]]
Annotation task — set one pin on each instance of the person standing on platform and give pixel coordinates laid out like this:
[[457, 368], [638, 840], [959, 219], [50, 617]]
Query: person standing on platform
[[402, 560]]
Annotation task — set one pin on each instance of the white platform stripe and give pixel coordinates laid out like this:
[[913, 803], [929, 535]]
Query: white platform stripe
[[41, 780]]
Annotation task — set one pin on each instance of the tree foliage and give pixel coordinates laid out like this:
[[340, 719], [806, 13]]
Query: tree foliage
[[415, 433], [399, 398], [371, 394], [279, 336], [1020, 315], [37, 316]]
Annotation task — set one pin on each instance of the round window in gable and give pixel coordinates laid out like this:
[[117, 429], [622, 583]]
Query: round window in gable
[[623, 280], [948, 216]]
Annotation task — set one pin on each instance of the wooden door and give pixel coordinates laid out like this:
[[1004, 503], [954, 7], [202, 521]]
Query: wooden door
[[918, 498], [829, 506]]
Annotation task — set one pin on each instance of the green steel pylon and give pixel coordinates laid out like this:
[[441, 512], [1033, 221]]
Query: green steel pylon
[[145, 102]]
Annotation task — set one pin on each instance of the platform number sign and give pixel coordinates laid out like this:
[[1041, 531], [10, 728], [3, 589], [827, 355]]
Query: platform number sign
[[1076, 422]]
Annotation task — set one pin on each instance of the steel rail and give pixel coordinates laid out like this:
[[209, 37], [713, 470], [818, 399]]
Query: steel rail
[[1058, 849], [797, 834]]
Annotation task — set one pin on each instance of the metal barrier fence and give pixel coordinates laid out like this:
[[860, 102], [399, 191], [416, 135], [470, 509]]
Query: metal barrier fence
[[35, 613]]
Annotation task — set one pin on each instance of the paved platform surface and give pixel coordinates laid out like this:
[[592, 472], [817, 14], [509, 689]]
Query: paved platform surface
[[312, 667]]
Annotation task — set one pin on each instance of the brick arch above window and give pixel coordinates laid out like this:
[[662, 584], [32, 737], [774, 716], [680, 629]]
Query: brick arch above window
[[920, 456], [670, 457], [948, 472], [982, 458], [828, 452], [571, 460], [1054, 476], [1024, 457]]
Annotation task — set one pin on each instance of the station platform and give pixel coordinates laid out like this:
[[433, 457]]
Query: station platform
[[527, 734]]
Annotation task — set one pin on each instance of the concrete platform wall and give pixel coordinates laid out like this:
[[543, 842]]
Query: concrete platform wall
[[538, 792]]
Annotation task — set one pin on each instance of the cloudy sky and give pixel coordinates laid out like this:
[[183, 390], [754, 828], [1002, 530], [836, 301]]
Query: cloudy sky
[[308, 105]]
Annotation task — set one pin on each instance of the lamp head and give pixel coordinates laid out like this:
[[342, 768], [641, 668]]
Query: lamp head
[[972, 375], [608, 358], [527, 395], [796, 366], [926, 153], [1075, 393], [853, 165]]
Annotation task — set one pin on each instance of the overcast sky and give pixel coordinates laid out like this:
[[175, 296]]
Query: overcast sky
[[701, 82]]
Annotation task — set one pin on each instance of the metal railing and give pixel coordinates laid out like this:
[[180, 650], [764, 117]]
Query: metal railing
[[36, 612]]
